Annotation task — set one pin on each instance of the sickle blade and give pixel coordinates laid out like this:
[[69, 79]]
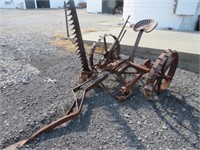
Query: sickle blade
[[78, 35]]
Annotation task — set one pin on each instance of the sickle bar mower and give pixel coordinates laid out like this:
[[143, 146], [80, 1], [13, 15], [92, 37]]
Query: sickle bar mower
[[95, 69]]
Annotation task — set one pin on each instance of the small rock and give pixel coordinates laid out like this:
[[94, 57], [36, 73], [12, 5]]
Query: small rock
[[168, 95], [130, 122], [55, 95], [9, 83], [143, 118], [3, 113], [20, 131], [21, 108], [127, 115], [139, 138], [6, 123], [48, 80], [25, 82], [164, 127]]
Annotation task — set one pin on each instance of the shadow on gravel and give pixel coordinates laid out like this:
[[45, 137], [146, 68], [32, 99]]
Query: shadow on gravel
[[110, 105], [177, 115], [180, 117], [133, 139]]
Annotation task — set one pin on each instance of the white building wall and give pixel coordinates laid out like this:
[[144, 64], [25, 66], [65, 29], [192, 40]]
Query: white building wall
[[198, 9], [6, 4], [94, 6], [21, 3], [12, 4], [56, 3], [161, 11], [60, 3]]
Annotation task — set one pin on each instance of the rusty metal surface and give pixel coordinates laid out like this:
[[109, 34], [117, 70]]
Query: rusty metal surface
[[73, 111], [160, 73], [146, 25], [77, 36], [103, 51]]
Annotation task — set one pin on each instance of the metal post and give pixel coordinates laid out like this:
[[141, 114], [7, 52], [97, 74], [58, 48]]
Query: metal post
[[136, 45], [199, 22], [67, 28]]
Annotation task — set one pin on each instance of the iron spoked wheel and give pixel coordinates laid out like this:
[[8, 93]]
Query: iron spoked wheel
[[161, 73], [99, 51]]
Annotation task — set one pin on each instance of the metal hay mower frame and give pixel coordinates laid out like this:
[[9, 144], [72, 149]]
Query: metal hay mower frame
[[93, 73]]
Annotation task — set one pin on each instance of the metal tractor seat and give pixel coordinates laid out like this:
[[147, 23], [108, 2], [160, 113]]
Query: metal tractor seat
[[146, 25]]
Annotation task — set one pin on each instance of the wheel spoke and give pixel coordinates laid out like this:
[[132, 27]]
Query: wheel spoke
[[167, 66], [105, 44], [166, 77], [103, 50], [159, 85]]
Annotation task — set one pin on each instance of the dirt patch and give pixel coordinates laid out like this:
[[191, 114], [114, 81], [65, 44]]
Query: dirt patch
[[60, 41], [89, 30], [68, 44]]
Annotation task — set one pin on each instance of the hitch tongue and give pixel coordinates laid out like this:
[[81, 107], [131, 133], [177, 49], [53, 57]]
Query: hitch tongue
[[73, 111], [16, 145]]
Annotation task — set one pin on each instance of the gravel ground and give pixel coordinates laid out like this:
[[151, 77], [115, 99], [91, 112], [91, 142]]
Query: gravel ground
[[36, 79]]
